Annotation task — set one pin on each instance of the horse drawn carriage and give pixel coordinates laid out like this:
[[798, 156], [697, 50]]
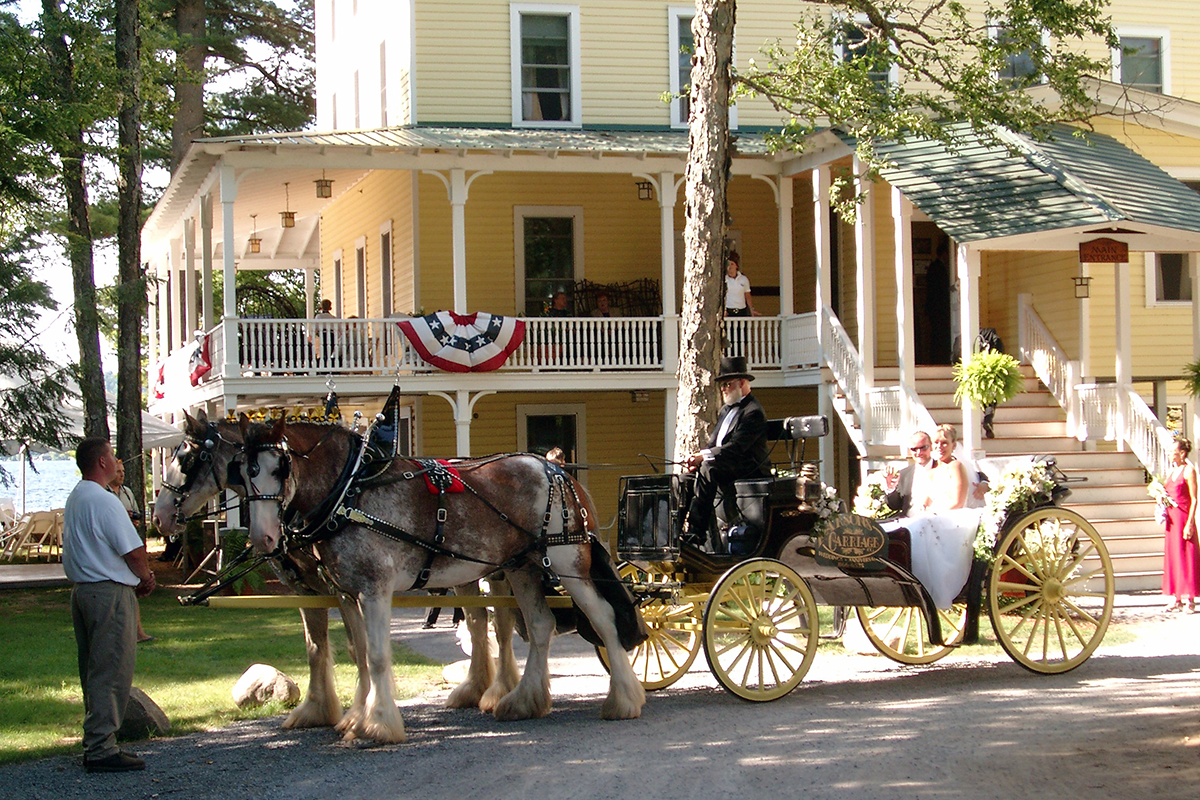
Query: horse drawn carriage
[[752, 605]]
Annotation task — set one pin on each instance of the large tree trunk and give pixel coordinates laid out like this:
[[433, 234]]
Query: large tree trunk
[[131, 287], [189, 78], [70, 150], [709, 159]]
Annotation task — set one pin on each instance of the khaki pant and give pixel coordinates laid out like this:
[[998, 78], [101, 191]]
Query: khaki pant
[[105, 618]]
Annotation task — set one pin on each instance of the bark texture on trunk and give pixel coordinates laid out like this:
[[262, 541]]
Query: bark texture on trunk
[[709, 159], [131, 285], [70, 149], [188, 124]]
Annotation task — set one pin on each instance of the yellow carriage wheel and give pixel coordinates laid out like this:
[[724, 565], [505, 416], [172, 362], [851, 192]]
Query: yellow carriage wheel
[[902, 635], [1050, 590], [760, 630], [674, 636]]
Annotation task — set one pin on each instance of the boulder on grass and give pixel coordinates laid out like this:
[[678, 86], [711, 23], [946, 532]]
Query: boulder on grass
[[143, 718], [263, 683]]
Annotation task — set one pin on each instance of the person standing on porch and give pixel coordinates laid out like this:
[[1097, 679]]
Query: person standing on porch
[[737, 290], [104, 558], [1181, 553]]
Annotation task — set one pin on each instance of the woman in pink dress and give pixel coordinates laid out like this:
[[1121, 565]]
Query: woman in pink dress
[[1181, 554]]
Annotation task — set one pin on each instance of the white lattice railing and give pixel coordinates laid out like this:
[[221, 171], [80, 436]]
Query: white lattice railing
[[1050, 363], [801, 345]]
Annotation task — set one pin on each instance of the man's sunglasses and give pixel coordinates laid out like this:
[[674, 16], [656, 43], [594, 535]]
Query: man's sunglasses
[[919, 448]]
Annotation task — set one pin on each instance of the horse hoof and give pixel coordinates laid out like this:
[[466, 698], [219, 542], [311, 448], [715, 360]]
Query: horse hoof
[[513, 707], [465, 695]]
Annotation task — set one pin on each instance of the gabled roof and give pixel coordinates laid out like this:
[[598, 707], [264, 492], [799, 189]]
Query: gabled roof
[[1018, 186]]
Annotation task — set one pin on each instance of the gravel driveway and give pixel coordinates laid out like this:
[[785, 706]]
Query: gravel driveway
[[1124, 725]]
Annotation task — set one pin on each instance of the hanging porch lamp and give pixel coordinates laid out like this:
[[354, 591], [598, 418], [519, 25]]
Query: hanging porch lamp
[[1082, 287], [324, 186], [287, 217], [255, 242]]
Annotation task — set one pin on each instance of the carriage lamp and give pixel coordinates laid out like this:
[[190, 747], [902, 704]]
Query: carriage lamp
[[324, 186], [287, 217], [255, 242], [1082, 287], [645, 190]]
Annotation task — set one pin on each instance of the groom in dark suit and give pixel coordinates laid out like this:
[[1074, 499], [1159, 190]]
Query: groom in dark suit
[[737, 448], [899, 485]]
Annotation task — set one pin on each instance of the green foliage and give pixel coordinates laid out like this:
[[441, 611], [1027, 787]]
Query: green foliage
[[988, 379], [949, 64], [1191, 378]]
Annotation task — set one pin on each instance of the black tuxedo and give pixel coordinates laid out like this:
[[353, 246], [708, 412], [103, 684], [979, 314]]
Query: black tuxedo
[[744, 453]]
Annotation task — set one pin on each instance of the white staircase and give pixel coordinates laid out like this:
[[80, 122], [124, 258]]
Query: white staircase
[[1114, 496]]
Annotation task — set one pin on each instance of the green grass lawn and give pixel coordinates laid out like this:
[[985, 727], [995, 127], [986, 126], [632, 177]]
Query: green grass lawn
[[189, 670]]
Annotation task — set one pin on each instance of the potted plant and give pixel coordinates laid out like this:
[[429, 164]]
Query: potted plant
[[987, 380]]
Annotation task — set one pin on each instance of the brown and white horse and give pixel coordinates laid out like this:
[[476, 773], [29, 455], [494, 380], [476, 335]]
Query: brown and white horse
[[200, 470], [519, 512]]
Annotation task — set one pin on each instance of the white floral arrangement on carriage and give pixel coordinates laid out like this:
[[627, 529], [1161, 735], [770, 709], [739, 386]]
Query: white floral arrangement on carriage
[[1157, 490], [1022, 487], [871, 498], [825, 507]]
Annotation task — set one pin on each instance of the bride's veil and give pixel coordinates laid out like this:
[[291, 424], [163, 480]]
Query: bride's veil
[[975, 491]]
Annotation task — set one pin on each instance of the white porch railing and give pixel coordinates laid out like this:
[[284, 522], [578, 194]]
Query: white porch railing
[[1041, 350], [756, 338], [842, 357], [589, 343], [1137, 427]]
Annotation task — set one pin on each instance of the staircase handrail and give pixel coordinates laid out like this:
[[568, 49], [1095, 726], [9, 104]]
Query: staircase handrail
[[1039, 348], [843, 359]]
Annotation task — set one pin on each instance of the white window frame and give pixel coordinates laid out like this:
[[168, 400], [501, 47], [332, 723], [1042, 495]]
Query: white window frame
[[571, 12], [338, 261], [839, 49], [994, 30], [525, 411], [1164, 37], [386, 259], [360, 275], [1151, 275], [383, 83], [674, 13], [519, 215]]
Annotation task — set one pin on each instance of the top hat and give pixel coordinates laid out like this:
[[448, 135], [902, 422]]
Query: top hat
[[732, 368]]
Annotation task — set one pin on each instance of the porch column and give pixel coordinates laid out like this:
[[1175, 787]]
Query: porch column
[[229, 270], [670, 407], [177, 334], [310, 285], [152, 330], [1192, 261], [821, 241], [163, 304], [1124, 349], [968, 298], [902, 210], [189, 278], [462, 405], [864, 249], [785, 202], [458, 186], [206, 262], [233, 513], [668, 191]]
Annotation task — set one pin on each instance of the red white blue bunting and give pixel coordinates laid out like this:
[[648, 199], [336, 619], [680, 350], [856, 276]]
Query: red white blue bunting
[[478, 342]]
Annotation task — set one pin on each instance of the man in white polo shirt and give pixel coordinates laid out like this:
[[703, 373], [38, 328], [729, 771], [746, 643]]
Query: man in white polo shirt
[[105, 559]]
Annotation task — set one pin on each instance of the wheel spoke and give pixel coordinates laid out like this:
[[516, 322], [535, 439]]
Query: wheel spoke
[[1019, 567], [1033, 597], [1091, 620]]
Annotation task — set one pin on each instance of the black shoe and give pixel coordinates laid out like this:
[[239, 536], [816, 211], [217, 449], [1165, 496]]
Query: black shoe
[[119, 761], [426, 626]]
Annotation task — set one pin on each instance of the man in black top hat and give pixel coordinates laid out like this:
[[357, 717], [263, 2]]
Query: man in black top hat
[[737, 449]]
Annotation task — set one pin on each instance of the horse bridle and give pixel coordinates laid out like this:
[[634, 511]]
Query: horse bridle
[[206, 445], [253, 470]]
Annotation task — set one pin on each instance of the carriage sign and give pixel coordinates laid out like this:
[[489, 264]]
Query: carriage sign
[[852, 541]]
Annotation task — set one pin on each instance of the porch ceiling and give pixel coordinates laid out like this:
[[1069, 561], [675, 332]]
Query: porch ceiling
[[263, 162], [1022, 194]]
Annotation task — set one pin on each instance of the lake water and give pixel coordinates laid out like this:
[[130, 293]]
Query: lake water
[[42, 490]]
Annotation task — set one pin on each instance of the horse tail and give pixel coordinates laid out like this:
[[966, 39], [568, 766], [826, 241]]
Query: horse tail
[[631, 628]]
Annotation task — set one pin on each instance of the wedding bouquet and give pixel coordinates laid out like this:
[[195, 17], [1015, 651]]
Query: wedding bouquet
[[1019, 489], [871, 498], [1162, 501], [828, 505]]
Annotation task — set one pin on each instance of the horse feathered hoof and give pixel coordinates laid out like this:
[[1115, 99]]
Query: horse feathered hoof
[[311, 715], [521, 703], [467, 694], [350, 721], [381, 726], [623, 704], [499, 689]]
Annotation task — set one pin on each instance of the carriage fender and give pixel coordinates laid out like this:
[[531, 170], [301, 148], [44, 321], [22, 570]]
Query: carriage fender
[[630, 625]]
